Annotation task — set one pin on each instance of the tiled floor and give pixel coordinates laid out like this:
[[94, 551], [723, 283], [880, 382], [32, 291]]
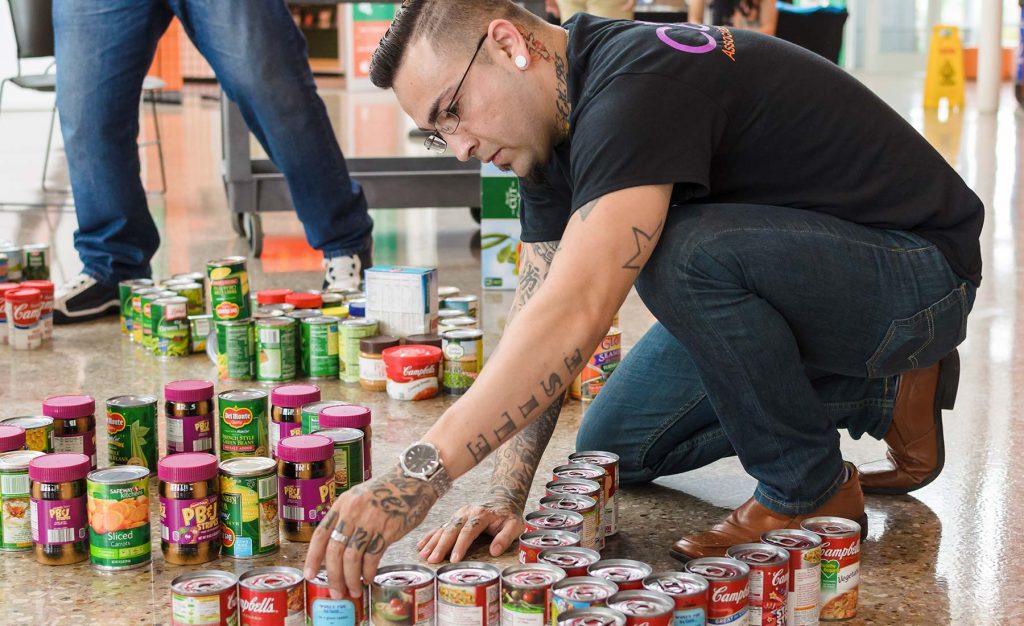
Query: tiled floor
[[944, 556]]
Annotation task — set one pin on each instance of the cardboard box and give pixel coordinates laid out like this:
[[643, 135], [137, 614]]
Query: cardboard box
[[402, 299], [499, 228]]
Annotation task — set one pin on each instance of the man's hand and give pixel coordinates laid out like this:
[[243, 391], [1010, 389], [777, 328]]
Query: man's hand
[[371, 516], [498, 518]]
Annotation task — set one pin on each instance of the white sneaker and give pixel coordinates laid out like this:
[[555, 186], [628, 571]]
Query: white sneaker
[[343, 272], [84, 298]]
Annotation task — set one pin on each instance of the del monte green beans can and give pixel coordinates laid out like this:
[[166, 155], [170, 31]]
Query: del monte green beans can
[[125, 288], [131, 431], [118, 504], [243, 423], [193, 292], [248, 493], [229, 288], [275, 349]]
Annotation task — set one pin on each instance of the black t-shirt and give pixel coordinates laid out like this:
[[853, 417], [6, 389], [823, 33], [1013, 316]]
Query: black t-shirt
[[733, 116]]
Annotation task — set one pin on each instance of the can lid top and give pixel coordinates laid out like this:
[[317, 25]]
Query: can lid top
[[358, 321], [377, 345], [188, 390], [131, 401], [18, 460], [462, 334], [462, 320], [235, 395], [447, 313], [69, 407], [305, 448], [677, 583], [341, 435], [272, 296], [304, 300], [44, 286], [11, 437], [718, 568], [118, 474], [294, 396], [642, 602], [28, 421], [59, 467], [447, 291], [248, 466], [466, 298], [345, 416], [187, 467], [24, 295]]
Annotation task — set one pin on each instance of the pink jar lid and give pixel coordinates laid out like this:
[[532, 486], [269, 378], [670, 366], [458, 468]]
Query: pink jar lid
[[11, 437], [294, 396], [187, 467], [69, 407], [345, 416], [60, 467], [188, 391], [305, 448]]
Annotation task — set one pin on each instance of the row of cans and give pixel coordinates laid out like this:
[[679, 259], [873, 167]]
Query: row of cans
[[24, 262], [26, 314], [168, 319]]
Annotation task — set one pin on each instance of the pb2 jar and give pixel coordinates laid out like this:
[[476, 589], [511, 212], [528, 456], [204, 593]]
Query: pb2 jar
[[189, 501], [305, 483], [189, 412], [59, 514], [74, 424]]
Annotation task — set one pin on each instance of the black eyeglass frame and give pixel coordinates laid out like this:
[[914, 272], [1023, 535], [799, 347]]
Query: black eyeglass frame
[[434, 141]]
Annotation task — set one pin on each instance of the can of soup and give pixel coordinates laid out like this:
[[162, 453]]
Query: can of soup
[[584, 505], [581, 592], [322, 610], [248, 511], [574, 561], [403, 594], [768, 583], [118, 505], [271, 596], [208, 597], [610, 463], [593, 536], [547, 519], [526, 594], [468, 594], [643, 607], [804, 573], [688, 591], [629, 575], [533, 543], [598, 615], [840, 565], [727, 588]]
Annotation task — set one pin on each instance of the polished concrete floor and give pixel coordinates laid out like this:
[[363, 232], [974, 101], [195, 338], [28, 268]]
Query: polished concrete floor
[[942, 556]]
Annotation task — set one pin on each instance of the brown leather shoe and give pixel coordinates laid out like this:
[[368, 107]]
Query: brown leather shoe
[[747, 523], [916, 448]]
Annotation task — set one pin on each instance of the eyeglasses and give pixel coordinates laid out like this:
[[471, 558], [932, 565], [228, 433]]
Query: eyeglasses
[[447, 121]]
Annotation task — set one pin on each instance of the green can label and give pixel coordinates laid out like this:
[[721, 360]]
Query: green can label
[[249, 515], [119, 523], [235, 348], [352, 330], [275, 350], [172, 338], [15, 501], [243, 424], [125, 290], [348, 465], [320, 347], [131, 431], [194, 294], [310, 415], [229, 289], [138, 318]]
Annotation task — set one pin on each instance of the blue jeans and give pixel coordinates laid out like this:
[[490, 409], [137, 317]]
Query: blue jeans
[[103, 50], [776, 327]]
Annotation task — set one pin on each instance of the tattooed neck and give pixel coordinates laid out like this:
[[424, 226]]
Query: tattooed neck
[[539, 51]]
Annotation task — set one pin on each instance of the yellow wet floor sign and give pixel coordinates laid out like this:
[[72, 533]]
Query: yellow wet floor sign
[[945, 75]]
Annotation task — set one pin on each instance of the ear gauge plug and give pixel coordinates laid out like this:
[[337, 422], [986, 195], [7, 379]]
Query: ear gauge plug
[[521, 62]]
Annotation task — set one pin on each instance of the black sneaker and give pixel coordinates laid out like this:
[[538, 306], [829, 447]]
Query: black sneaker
[[84, 298], [347, 272]]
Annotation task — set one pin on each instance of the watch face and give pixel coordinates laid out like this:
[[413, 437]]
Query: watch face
[[421, 459]]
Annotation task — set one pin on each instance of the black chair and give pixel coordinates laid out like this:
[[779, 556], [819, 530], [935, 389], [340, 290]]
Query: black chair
[[818, 29], [34, 39]]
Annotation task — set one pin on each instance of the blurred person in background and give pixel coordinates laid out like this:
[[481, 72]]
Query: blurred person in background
[[615, 9], [759, 15]]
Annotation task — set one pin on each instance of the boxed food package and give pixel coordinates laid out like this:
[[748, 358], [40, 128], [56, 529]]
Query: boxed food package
[[499, 228], [402, 299]]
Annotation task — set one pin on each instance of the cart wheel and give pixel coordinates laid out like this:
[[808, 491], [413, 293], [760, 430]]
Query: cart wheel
[[475, 212], [254, 234], [238, 223]]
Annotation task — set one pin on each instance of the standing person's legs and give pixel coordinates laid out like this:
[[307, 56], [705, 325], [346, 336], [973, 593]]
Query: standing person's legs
[[568, 8], [103, 49], [260, 59], [616, 9]]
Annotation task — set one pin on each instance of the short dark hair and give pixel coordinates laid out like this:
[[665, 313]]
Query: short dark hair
[[449, 24]]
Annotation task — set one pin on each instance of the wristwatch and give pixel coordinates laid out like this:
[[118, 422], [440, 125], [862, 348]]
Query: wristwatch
[[423, 462]]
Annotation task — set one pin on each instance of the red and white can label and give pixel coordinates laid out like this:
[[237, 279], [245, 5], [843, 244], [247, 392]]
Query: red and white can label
[[768, 593], [728, 602], [840, 577], [279, 607]]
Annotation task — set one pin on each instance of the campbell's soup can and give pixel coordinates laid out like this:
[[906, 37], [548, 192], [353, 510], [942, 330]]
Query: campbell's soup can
[[581, 592], [547, 519], [840, 566], [271, 596], [643, 607], [593, 536], [208, 597], [322, 610], [584, 505], [403, 595], [610, 463], [468, 594], [533, 543], [727, 588], [688, 591], [628, 575], [594, 616], [804, 573], [769, 582], [573, 560], [526, 594]]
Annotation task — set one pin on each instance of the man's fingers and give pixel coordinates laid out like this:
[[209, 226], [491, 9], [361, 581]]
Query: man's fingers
[[353, 563], [370, 564], [422, 543], [335, 568], [435, 537], [474, 526], [447, 539], [318, 545], [504, 539]]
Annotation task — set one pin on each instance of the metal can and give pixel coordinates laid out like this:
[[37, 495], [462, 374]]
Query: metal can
[[533, 543], [804, 550], [468, 304], [574, 561], [348, 457], [4, 265], [309, 413], [170, 327], [125, 289], [581, 592], [468, 594], [275, 349], [403, 594], [36, 262], [193, 292], [45, 288], [14, 261], [236, 348], [137, 317], [594, 616], [609, 462], [584, 505], [629, 575], [593, 535], [38, 431], [322, 610], [588, 471], [229, 289], [199, 327], [15, 500], [248, 507], [689, 593], [768, 583], [727, 588], [320, 347], [547, 519], [462, 322], [243, 423], [352, 331], [599, 367], [526, 594], [643, 607], [463, 359], [118, 505], [146, 301], [23, 307], [132, 431], [350, 416], [271, 596], [209, 597], [840, 565], [192, 277]]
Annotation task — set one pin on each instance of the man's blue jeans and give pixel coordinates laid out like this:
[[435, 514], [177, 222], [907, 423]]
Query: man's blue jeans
[[776, 327], [105, 47]]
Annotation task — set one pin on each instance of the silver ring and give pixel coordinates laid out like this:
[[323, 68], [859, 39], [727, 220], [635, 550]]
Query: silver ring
[[340, 537]]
